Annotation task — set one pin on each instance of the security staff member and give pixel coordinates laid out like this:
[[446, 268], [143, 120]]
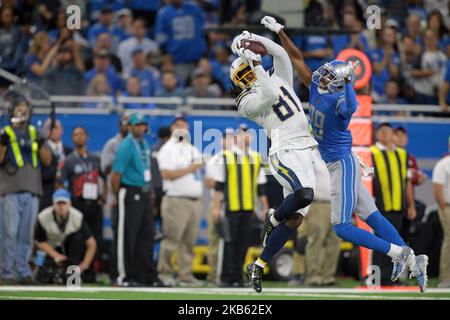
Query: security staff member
[[239, 182], [130, 181], [22, 153], [392, 189]]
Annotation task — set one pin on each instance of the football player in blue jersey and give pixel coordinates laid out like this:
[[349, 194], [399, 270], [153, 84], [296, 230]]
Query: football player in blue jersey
[[332, 104]]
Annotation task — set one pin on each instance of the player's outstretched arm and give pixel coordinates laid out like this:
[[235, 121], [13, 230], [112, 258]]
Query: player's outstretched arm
[[348, 104], [281, 62], [294, 53]]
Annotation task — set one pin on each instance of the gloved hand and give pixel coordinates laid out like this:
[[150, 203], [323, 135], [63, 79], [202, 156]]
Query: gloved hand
[[249, 56], [4, 138], [350, 71], [271, 24], [235, 46]]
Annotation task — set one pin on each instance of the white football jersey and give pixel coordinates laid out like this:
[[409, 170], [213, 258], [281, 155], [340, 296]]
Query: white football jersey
[[272, 103]]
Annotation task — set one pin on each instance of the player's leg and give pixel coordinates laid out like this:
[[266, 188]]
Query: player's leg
[[293, 169], [291, 180], [401, 255], [344, 177]]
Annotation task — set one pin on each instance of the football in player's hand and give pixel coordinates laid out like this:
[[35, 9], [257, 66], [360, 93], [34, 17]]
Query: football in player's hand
[[254, 46]]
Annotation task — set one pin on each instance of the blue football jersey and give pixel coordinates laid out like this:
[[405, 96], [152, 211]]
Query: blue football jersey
[[329, 115]]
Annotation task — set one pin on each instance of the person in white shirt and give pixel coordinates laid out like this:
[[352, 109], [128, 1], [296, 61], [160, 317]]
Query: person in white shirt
[[180, 163], [441, 190], [137, 41], [211, 168]]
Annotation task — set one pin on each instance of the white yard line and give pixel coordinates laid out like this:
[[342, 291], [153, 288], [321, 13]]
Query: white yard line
[[209, 290]]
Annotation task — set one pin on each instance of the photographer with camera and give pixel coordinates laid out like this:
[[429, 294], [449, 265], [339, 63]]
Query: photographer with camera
[[22, 152], [64, 236]]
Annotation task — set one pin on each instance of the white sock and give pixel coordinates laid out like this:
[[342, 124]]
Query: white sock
[[260, 263], [394, 251], [274, 221]]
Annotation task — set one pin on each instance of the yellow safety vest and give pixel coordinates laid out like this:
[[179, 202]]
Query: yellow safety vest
[[17, 153], [390, 178], [241, 185]]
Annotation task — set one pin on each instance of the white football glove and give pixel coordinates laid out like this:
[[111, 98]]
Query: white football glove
[[271, 24], [350, 70], [249, 56], [235, 46]]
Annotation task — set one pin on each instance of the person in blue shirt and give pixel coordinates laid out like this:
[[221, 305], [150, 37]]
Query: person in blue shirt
[[146, 75], [332, 104], [355, 40], [105, 24], [220, 66], [316, 50], [134, 90], [444, 90], [102, 64], [385, 60], [179, 31], [134, 227]]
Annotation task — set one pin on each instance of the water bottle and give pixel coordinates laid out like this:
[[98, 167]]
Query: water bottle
[[39, 258]]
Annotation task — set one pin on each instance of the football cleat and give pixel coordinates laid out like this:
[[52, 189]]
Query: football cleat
[[400, 262], [255, 274], [419, 271]]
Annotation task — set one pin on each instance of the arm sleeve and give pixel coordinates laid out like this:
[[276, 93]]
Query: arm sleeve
[[347, 104], [39, 234], [85, 230], [164, 160], [439, 173], [123, 157], [219, 172], [281, 62], [251, 103]]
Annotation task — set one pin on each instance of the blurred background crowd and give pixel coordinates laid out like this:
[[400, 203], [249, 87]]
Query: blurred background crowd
[[178, 48]]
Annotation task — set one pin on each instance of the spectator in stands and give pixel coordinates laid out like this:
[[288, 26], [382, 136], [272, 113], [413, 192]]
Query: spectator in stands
[[105, 24], [145, 9], [48, 9], [102, 65], [64, 236], [137, 41], [180, 163], [103, 43], [179, 31], [428, 73], [12, 44], [82, 175], [444, 91], [414, 30], [356, 40], [59, 152], [145, 74], [436, 23], [201, 85], [66, 76], [169, 88], [220, 66], [20, 187], [316, 49], [98, 87], [386, 61], [124, 20], [391, 91], [40, 56], [62, 32], [154, 61], [410, 54], [134, 90], [441, 190]]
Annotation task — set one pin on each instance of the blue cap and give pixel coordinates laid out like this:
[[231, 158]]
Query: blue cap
[[61, 195], [137, 118]]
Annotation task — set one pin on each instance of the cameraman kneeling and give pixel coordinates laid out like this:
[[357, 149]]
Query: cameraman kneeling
[[64, 236]]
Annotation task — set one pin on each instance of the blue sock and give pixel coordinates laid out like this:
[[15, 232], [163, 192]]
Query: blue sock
[[278, 237], [384, 229], [287, 207], [361, 237]]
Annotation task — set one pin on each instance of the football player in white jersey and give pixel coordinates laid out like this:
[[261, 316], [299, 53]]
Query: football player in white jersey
[[268, 99]]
